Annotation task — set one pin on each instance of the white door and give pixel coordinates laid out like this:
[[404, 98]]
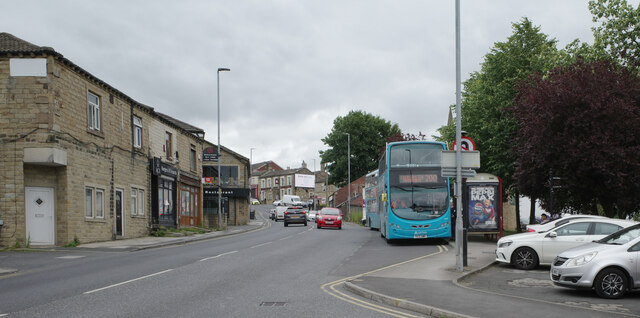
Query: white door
[[39, 206]]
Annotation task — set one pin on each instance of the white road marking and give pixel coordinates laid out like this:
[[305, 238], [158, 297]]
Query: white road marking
[[263, 244], [129, 281], [284, 238], [71, 257], [219, 255]]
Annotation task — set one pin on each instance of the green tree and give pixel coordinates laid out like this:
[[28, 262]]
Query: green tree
[[619, 31], [490, 92], [369, 134]]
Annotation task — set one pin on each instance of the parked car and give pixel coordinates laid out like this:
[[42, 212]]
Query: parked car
[[255, 201], [279, 215], [530, 249], [557, 222], [609, 265], [329, 217], [295, 214], [311, 215], [277, 203]]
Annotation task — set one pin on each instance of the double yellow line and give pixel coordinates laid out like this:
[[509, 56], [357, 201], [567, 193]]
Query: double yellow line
[[332, 289]]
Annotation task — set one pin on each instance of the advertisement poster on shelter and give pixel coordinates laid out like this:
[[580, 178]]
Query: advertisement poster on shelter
[[483, 207]]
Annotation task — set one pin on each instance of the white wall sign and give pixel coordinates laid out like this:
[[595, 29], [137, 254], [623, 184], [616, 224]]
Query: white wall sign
[[28, 67], [305, 180]]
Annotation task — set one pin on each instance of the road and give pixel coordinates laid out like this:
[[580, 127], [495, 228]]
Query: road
[[275, 272]]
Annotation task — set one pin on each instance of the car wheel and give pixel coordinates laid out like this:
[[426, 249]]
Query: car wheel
[[611, 283], [305, 223], [340, 227], [525, 258], [285, 223], [318, 226]]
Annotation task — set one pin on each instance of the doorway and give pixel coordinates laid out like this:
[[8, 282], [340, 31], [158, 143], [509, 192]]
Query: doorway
[[118, 208], [39, 209]]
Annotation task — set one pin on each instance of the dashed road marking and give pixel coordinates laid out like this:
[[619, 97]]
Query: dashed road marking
[[126, 282], [219, 255]]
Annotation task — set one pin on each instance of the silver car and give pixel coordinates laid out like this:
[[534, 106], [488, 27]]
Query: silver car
[[610, 265]]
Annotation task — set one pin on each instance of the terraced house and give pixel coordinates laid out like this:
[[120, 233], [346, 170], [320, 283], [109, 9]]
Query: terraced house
[[81, 159]]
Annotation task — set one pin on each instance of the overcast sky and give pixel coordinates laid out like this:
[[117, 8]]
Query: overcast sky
[[295, 65]]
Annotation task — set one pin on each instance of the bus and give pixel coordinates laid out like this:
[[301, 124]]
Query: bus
[[370, 198], [413, 198]]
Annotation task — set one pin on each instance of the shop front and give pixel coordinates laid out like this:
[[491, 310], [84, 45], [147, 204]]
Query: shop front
[[189, 200], [233, 204], [163, 194]]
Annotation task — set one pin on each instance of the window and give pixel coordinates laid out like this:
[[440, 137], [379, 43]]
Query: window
[[168, 147], [192, 158], [289, 191], [93, 203], [93, 111], [262, 183], [605, 228], [137, 132], [269, 183], [288, 180], [574, 229], [281, 181], [137, 201], [228, 174]]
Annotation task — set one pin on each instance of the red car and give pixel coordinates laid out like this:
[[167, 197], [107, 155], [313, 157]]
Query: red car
[[329, 217]]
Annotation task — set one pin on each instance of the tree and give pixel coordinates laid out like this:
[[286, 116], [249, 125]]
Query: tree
[[489, 93], [619, 31], [582, 121], [368, 137]]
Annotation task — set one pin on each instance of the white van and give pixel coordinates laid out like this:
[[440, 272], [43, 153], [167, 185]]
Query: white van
[[292, 200], [279, 214]]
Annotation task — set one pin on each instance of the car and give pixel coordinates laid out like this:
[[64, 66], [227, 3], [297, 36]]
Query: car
[[295, 214], [609, 266], [291, 200], [272, 214], [557, 222], [278, 203], [255, 201], [279, 213], [311, 215], [329, 217], [530, 249]]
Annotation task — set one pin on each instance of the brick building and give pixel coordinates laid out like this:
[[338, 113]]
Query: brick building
[[82, 159], [257, 170]]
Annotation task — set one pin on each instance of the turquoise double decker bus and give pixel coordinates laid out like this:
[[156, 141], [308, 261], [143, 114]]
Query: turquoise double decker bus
[[371, 217], [413, 197]]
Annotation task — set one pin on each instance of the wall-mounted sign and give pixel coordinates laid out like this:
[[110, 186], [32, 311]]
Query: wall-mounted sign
[[210, 154], [212, 193]]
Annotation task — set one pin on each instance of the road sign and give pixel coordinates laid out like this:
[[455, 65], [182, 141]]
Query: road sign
[[452, 173], [470, 159], [467, 144]]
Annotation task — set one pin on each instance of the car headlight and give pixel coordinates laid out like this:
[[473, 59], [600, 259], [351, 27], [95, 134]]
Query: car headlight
[[504, 244], [581, 260], [319, 218], [339, 218]]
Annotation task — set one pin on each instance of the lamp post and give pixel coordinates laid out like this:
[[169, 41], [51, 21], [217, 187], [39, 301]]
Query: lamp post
[[219, 154], [348, 175], [251, 173], [458, 192]]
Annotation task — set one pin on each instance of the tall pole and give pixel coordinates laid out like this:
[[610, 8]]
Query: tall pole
[[348, 176], [251, 173], [458, 192], [219, 154]]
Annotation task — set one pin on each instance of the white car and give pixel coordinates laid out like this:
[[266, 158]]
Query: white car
[[311, 216], [554, 223], [530, 249], [278, 203]]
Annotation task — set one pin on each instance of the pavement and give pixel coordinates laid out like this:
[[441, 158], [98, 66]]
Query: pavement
[[427, 285]]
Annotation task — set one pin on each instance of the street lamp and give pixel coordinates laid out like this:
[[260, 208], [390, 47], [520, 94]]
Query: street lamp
[[348, 176], [219, 154], [251, 172]]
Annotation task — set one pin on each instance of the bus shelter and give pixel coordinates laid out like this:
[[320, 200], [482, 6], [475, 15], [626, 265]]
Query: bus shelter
[[482, 201]]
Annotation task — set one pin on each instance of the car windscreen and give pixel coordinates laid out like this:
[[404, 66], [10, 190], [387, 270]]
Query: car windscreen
[[330, 212], [623, 236]]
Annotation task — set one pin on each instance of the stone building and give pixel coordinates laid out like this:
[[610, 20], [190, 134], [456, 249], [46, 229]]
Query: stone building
[[78, 155], [234, 173], [276, 183], [257, 170]]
